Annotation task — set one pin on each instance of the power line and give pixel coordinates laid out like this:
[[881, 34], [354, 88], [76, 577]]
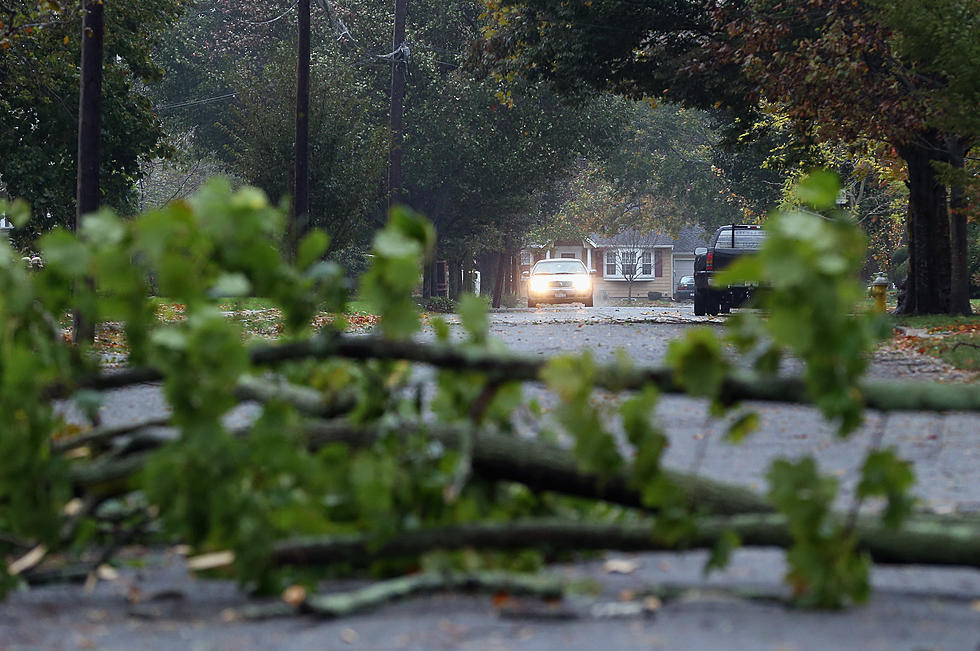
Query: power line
[[271, 20], [195, 102]]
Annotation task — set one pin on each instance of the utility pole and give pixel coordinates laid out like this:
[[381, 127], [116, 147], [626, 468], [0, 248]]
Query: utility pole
[[87, 195], [399, 70], [301, 202]]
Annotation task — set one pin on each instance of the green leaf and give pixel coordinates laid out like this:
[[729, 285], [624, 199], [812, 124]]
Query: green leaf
[[742, 427], [171, 338], [441, 328], [721, 552], [697, 362], [17, 211], [231, 285], [473, 314], [884, 474], [818, 189], [103, 228], [312, 248]]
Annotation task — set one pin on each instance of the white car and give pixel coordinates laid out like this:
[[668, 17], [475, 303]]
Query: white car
[[559, 280]]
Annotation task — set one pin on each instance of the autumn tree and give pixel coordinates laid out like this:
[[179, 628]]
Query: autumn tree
[[836, 67]]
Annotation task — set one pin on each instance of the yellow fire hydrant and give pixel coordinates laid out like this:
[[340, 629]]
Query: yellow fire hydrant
[[879, 289]]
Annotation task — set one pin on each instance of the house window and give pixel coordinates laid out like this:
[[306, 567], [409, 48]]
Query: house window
[[610, 263], [568, 255], [647, 264], [526, 258]]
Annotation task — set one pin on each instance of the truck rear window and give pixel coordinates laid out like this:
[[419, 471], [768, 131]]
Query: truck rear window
[[745, 238]]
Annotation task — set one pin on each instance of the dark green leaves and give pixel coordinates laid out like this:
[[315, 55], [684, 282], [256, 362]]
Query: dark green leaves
[[825, 568], [885, 475], [396, 270]]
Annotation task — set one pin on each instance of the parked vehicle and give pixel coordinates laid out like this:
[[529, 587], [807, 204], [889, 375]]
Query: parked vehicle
[[685, 289], [728, 244], [559, 280]]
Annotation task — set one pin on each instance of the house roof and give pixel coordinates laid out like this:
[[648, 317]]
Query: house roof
[[687, 239]]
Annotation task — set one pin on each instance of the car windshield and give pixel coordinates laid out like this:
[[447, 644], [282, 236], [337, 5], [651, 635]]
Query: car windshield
[[559, 267]]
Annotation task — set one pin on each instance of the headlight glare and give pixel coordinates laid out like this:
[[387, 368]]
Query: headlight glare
[[538, 284], [581, 283]]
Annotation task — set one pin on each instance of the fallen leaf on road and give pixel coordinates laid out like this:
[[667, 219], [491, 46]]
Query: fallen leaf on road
[[975, 606], [349, 635], [294, 595], [27, 561], [106, 573], [210, 561], [620, 566]]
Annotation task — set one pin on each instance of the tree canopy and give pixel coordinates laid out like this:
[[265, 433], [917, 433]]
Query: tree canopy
[[39, 107], [842, 69]]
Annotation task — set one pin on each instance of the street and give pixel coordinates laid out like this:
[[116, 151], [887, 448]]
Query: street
[[912, 608]]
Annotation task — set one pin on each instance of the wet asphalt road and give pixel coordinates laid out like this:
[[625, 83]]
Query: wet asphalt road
[[913, 608]]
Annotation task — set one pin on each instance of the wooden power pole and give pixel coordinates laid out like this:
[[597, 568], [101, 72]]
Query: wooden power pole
[[87, 193], [301, 202], [399, 70]]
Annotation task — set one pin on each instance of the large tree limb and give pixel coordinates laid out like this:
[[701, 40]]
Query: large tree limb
[[495, 457], [921, 540], [884, 396], [545, 467]]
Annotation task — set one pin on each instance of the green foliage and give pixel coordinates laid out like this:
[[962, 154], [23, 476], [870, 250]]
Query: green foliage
[[38, 108], [398, 252], [348, 149], [885, 475], [808, 269], [572, 378], [698, 363], [221, 489], [824, 569]]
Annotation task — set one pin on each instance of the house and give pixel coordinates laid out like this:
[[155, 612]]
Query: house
[[654, 262]]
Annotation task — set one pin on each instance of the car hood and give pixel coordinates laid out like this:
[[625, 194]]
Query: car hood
[[550, 277]]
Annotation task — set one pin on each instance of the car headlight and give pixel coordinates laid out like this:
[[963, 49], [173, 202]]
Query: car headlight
[[581, 283], [538, 284]]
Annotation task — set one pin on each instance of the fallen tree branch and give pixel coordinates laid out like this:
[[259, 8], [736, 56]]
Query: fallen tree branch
[[546, 467], [340, 604], [495, 457], [884, 396], [921, 540], [306, 400]]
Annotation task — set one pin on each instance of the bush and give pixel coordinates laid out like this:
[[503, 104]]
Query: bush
[[442, 304]]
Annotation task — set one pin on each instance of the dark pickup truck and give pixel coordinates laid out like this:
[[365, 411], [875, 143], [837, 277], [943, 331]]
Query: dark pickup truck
[[728, 243]]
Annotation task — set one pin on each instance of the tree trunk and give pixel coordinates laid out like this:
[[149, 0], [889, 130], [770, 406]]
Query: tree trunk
[[498, 281], [928, 286], [88, 195], [301, 202], [468, 276], [399, 70], [488, 273], [959, 294]]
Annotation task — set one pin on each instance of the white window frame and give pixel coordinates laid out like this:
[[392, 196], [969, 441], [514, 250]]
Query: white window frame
[[647, 259]]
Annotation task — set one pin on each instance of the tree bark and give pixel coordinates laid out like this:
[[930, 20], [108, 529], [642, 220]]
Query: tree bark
[[739, 386], [498, 281], [928, 285], [922, 540], [399, 71], [545, 467], [301, 202], [959, 295], [88, 193]]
